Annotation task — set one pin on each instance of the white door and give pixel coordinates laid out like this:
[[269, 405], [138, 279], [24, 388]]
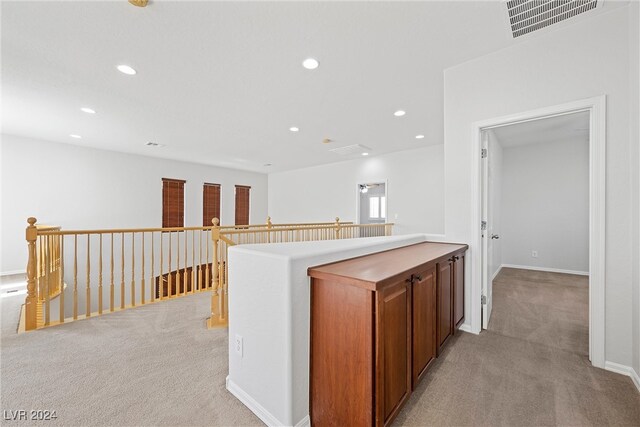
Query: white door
[[487, 246]]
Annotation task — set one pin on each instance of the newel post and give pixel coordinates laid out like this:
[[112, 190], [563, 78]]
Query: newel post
[[337, 228], [215, 294], [269, 226], [31, 301]]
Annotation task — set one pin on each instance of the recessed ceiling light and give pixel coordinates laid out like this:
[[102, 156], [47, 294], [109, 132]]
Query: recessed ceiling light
[[294, 129], [365, 154], [73, 135], [419, 136], [310, 63], [399, 113], [88, 110], [126, 69]]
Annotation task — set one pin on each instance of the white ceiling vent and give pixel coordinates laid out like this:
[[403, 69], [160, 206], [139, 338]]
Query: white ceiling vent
[[351, 149], [526, 16]]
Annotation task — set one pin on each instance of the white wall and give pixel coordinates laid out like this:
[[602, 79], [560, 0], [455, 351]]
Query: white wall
[[579, 61], [414, 190], [545, 205], [79, 188]]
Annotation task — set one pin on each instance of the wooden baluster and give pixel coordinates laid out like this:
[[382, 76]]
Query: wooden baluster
[[61, 279], [100, 279], [213, 321], [122, 272], [178, 281], [133, 269], [200, 262], [47, 295], [142, 281], [207, 284], [75, 277], [269, 226], [337, 226], [170, 282], [152, 279], [31, 300], [193, 262], [223, 282], [160, 284], [184, 269], [112, 287], [88, 307]]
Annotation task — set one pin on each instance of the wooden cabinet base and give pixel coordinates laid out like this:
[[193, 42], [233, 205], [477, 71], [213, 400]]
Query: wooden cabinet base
[[377, 323]]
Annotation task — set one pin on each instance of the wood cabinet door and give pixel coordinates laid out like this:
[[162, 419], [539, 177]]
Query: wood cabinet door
[[423, 296], [393, 350], [458, 290], [445, 279]]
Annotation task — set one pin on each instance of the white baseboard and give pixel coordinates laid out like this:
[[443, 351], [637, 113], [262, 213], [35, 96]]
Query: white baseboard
[[12, 273], [465, 327], [624, 370], [258, 409], [497, 272], [549, 269]]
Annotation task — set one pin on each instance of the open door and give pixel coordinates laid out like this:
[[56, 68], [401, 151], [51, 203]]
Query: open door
[[486, 229]]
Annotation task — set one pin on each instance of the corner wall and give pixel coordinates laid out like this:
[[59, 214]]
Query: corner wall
[[84, 188], [579, 61]]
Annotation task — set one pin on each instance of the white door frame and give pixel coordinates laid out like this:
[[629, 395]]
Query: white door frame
[[597, 178], [386, 195]]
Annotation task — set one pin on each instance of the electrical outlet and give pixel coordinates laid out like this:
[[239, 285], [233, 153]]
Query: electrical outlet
[[534, 254], [239, 345]]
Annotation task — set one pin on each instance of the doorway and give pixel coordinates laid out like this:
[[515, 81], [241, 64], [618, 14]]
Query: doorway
[[536, 236], [372, 203], [481, 304]]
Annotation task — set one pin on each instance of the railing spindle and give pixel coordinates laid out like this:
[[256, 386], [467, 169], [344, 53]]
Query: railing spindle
[[169, 292], [122, 271], [193, 261], [112, 284], [160, 284], [133, 269], [100, 279], [142, 284], [178, 281], [47, 295], [184, 270], [75, 277], [88, 305], [61, 278], [152, 279]]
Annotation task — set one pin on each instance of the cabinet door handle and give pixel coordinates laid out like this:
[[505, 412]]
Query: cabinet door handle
[[418, 278]]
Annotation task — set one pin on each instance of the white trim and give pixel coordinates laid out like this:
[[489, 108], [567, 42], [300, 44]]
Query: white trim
[[465, 327], [623, 370], [549, 269], [264, 415], [12, 273], [597, 180], [498, 271]]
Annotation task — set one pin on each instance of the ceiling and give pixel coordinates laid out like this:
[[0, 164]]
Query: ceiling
[[221, 83], [568, 128]]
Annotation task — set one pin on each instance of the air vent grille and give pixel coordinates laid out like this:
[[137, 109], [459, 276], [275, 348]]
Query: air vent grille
[[526, 16], [351, 149]]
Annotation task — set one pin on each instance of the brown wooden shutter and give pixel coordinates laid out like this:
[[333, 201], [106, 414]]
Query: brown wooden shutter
[[172, 202], [242, 204], [210, 203]]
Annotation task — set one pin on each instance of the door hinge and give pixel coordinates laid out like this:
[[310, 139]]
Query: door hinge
[[484, 153], [483, 300], [483, 225]]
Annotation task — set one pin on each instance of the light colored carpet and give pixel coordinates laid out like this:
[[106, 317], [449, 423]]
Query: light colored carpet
[[529, 369], [153, 365], [158, 365]]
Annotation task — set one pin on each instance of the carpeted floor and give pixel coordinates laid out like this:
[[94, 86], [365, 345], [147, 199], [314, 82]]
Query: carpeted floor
[[156, 365], [530, 368]]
